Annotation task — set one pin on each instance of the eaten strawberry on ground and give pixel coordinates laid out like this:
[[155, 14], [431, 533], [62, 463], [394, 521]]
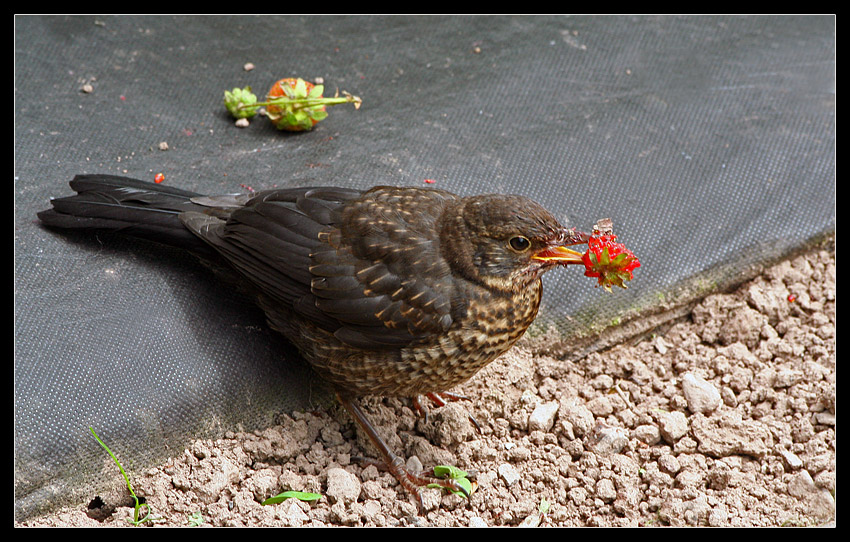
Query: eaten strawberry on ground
[[292, 104]]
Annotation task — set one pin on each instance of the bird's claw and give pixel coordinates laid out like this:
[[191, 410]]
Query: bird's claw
[[414, 482], [395, 464], [441, 399]]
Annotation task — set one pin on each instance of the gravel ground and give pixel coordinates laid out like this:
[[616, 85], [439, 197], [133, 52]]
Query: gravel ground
[[726, 418]]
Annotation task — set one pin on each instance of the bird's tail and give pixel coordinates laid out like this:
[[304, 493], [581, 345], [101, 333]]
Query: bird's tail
[[127, 206]]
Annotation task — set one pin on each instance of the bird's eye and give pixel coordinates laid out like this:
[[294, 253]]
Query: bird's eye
[[519, 243]]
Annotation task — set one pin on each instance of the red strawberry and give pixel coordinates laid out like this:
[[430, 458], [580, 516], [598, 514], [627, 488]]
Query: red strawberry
[[610, 262], [605, 259]]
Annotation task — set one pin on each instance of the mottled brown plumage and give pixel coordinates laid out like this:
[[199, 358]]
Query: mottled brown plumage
[[389, 291]]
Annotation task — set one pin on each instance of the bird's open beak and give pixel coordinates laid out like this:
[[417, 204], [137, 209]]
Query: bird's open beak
[[559, 255]]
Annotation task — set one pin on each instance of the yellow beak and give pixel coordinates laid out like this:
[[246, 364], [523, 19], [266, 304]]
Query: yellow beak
[[558, 254]]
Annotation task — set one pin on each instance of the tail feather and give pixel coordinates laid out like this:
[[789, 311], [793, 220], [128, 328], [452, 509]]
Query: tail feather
[[131, 207]]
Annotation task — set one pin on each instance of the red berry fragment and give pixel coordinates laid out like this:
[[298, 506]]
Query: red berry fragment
[[607, 260]]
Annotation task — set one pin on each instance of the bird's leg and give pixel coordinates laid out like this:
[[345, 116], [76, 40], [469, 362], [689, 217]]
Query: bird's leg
[[440, 399], [393, 463]]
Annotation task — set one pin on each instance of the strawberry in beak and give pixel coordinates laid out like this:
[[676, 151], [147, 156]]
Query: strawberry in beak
[[610, 262]]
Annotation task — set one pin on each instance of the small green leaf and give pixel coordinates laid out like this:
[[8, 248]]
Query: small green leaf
[[465, 484], [138, 505], [300, 495], [449, 471], [456, 474]]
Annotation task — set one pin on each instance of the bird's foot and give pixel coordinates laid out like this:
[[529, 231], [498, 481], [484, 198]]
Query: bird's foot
[[441, 399], [394, 464], [413, 482]]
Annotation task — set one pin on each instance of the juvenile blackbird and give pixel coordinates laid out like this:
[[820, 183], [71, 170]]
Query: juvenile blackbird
[[389, 291]]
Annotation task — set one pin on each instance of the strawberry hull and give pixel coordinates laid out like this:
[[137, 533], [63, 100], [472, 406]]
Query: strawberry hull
[[294, 105], [608, 261]]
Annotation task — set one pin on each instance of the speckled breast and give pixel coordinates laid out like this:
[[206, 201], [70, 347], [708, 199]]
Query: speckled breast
[[493, 324]]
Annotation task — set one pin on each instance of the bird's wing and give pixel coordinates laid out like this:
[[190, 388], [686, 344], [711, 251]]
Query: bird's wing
[[378, 284]]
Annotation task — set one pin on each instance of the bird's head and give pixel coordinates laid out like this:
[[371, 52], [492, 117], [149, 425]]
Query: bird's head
[[506, 242]]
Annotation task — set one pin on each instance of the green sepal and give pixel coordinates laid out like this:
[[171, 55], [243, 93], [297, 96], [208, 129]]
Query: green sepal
[[316, 91], [240, 102]]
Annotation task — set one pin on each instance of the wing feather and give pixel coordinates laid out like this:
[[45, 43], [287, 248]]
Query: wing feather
[[379, 284]]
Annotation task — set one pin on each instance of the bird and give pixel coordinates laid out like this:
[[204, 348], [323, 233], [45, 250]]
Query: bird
[[388, 291]]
